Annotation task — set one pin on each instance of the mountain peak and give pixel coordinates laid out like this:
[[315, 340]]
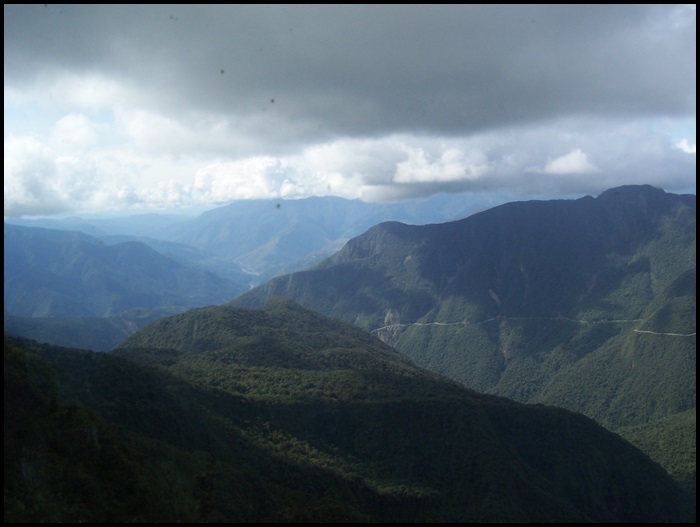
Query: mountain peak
[[634, 195], [631, 190]]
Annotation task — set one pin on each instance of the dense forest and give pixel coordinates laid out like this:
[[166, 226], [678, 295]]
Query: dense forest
[[228, 414]]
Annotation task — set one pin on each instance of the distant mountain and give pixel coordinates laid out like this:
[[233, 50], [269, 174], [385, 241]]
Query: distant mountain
[[85, 332], [190, 256], [588, 304], [137, 225], [61, 273], [94, 333], [230, 415], [270, 237], [266, 237]]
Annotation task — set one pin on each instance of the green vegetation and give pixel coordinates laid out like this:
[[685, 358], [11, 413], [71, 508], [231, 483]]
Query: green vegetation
[[226, 414], [588, 305], [670, 441], [231, 415], [94, 333], [64, 463]]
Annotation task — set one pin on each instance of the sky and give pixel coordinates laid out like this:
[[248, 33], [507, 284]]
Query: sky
[[156, 107]]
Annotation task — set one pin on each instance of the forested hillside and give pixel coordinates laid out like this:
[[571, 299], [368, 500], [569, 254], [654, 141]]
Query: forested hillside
[[224, 414], [588, 304]]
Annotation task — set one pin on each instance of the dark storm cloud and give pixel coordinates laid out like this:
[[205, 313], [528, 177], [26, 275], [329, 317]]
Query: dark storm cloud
[[373, 69]]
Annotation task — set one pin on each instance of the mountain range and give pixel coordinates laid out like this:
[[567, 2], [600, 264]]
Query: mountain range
[[266, 237], [586, 305], [223, 414], [61, 273], [131, 270]]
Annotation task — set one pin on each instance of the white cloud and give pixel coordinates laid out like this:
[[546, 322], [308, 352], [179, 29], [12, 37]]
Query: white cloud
[[74, 132], [65, 89], [247, 179], [88, 91], [27, 167], [452, 164], [151, 132], [575, 162], [685, 146], [45, 176]]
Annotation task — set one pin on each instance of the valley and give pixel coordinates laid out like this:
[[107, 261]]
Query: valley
[[350, 263], [584, 306]]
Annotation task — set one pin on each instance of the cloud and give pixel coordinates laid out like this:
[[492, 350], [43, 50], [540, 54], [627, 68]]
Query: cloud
[[43, 177], [28, 170], [575, 162], [452, 164], [447, 69], [40, 180], [249, 179], [74, 132], [685, 146], [128, 105], [399, 167]]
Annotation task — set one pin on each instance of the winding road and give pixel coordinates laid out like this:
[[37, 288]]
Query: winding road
[[464, 322]]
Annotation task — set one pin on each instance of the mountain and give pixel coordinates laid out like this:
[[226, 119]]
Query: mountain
[[279, 415], [270, 237], [267, 236], [137, 225], [588, 304], [62, 273], [670, 441], [94, 333], [189, 256], [84, 332]]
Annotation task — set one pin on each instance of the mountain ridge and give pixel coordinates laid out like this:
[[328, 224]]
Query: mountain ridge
[[448, 252], [557, 302], [316, 411], [62, 273]]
